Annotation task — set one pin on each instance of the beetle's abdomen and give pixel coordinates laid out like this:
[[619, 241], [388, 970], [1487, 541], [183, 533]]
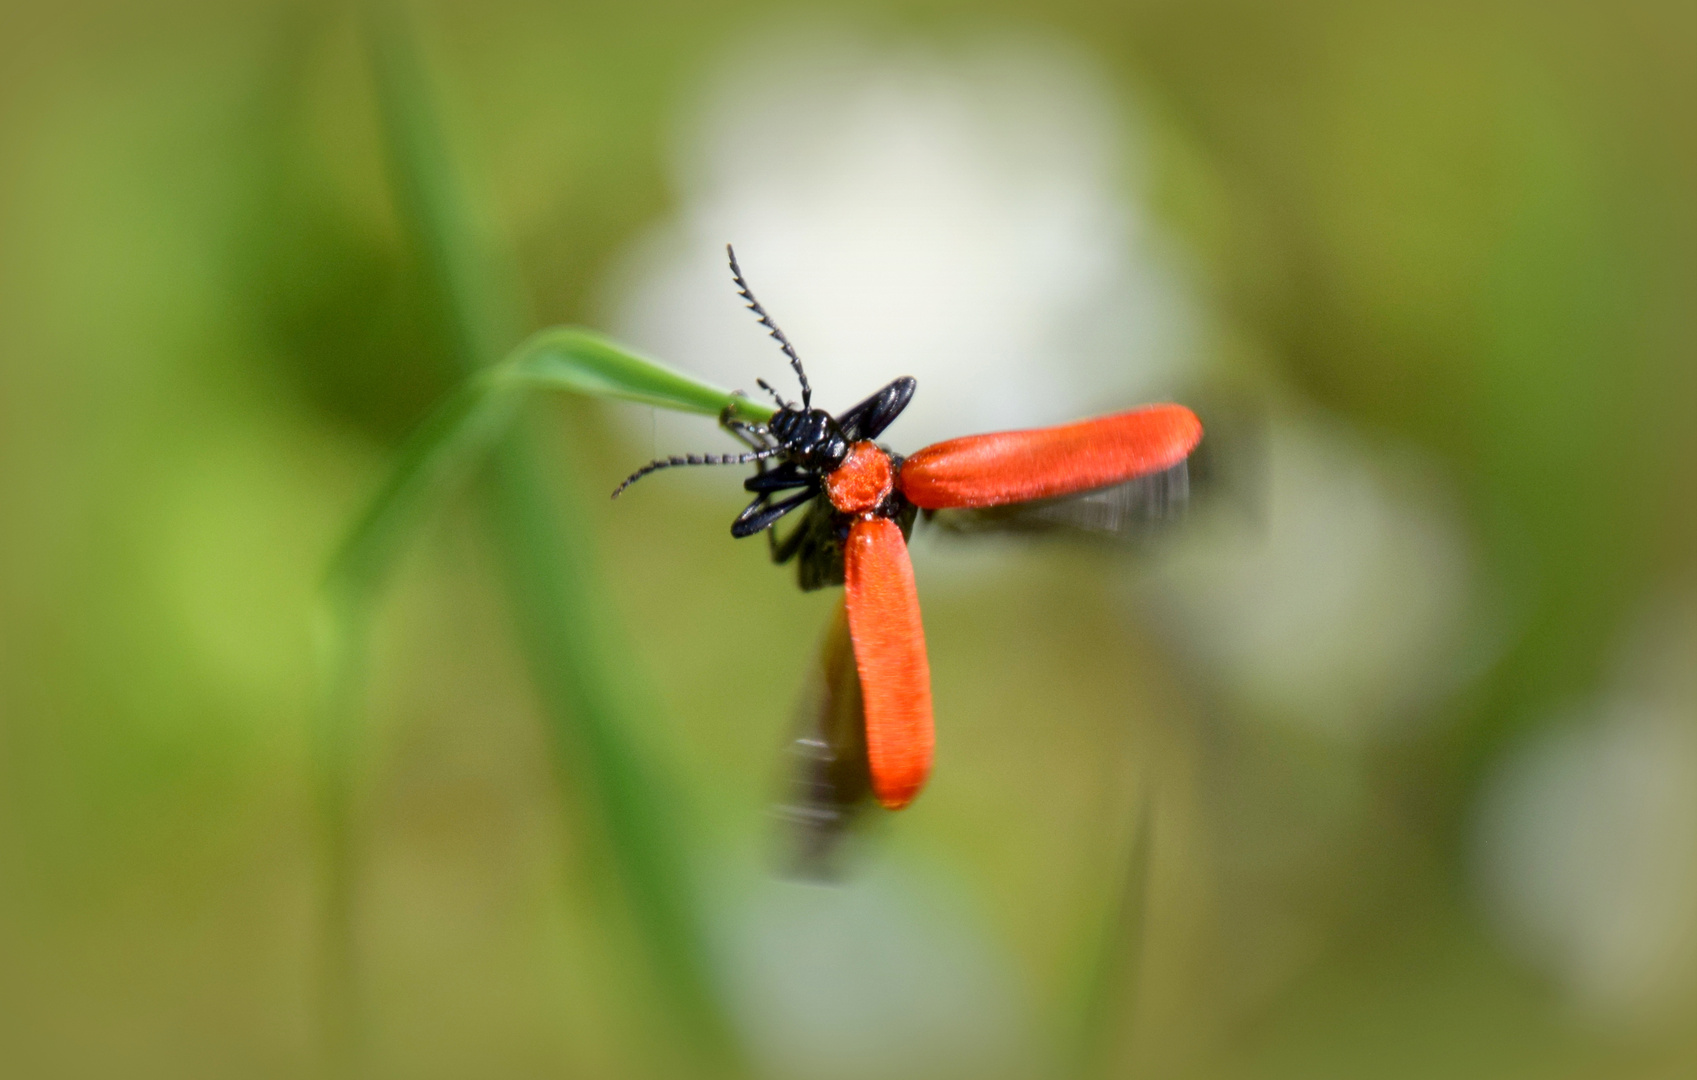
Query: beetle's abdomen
[[862, 482]]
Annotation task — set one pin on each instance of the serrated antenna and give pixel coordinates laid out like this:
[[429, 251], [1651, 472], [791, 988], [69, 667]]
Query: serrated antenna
[[697, 459], [766, 320]]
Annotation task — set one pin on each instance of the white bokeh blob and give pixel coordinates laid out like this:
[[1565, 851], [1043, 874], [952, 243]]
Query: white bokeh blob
[[1343, 604], [1586, 836], [881, 975]]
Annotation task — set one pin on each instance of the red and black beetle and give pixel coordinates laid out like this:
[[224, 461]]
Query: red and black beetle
[[861, 499]]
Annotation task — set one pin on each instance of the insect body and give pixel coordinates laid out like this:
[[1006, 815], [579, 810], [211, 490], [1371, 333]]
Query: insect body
[[861, 500]]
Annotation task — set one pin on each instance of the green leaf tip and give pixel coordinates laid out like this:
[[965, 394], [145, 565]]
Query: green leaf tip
[[585, 362]]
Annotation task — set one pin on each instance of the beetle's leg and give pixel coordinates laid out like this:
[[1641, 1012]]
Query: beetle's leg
[[781, 478], [785, 550], [760, 514], [754, 436]]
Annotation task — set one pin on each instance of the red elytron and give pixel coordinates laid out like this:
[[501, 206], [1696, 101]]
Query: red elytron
[[861, 501]]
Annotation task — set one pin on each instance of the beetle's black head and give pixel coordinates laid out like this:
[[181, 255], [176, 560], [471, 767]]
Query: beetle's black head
[[809, 437]]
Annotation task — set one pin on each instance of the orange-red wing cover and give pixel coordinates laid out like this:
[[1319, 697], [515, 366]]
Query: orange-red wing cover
[[1018, 466], [889, 652]]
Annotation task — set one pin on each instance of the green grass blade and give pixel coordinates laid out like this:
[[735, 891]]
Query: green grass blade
[[594, 702], [1109, 993], [581, 662], [475, 283]]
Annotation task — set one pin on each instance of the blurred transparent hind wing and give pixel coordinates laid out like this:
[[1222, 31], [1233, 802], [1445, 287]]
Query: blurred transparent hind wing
[[1134, 511], [827, 783]]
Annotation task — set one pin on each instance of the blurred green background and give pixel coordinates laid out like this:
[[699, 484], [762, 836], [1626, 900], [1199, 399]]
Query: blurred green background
[[1385, 764]]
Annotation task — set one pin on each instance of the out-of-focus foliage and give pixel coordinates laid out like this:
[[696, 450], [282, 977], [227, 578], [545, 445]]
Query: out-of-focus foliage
[[1401, 731]]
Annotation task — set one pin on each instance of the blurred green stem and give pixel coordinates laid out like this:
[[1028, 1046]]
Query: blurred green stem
[[581, 669], [1113, 968]]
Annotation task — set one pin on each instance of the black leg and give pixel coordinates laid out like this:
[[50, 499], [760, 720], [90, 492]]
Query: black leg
[[779, 479], [759, 514], [783, 551], [752, 436]]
